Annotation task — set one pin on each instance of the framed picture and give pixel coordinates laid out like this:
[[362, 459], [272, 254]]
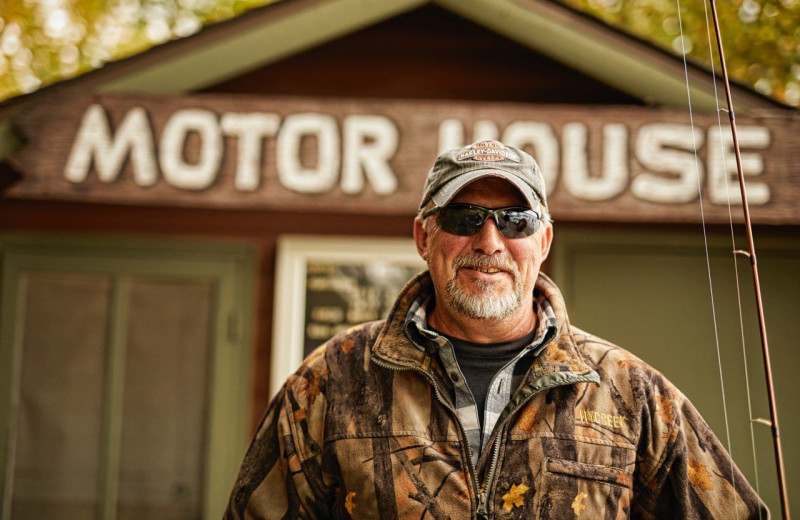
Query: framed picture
[[325, 285]]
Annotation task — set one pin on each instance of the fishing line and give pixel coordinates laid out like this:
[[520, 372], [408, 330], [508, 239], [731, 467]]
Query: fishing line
[[733, 254], [705, 245]]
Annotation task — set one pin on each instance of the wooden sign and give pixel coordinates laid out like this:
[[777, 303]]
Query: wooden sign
[[626, 164]]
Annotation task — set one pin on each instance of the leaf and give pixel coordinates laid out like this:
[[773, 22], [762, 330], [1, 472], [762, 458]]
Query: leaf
[[514, 498], [350, 502], [699, 476], [577, 505]]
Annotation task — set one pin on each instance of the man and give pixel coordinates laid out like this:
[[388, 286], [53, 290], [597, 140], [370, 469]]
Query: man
[[476, 397]]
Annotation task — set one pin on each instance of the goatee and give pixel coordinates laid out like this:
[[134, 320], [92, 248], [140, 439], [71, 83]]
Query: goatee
[[487, 304]]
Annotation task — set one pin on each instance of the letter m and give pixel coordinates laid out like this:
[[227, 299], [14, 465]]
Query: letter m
[[95, 143]]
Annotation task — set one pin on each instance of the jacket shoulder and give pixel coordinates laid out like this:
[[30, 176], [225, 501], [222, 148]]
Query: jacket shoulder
[[681, 463], [607, 357], [656, 407], [351, 347]]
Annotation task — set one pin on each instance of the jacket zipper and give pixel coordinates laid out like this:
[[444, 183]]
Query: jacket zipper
[[390, 366], [483, 505], [483, 509], [481, 494]]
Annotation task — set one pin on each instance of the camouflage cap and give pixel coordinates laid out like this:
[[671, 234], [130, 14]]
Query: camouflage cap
[[456, 168]]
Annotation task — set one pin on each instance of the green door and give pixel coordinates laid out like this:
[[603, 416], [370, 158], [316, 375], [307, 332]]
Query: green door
[[123, 377]]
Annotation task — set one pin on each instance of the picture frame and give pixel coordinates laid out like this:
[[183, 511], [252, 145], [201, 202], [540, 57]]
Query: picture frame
[[326, 284]]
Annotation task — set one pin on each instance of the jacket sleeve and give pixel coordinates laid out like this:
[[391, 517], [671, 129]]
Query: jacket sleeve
[[690, 475], [281, 474]]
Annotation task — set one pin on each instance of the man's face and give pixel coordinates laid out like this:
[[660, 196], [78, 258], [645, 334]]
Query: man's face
[[486, 275]]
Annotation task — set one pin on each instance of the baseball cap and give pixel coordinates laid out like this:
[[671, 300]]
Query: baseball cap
[[456, 168]]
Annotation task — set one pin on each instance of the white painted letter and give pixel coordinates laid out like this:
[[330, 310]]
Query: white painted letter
[[721, 162], [369, 143], [485, 130], [451, 133], [667, 148], [614, 175], [292, 174], [176, 170], [94, 142], [541, 137], [250, 129]]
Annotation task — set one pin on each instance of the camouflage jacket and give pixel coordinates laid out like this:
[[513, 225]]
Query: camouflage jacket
[[366, 429]]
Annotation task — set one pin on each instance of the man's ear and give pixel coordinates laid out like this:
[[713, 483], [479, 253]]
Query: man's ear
[[546, 240], [421, 239]]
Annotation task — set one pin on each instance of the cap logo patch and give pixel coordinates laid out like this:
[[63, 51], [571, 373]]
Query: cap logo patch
[[487, 151], [488, 157]]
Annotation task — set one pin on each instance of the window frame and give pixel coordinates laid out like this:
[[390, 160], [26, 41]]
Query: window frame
[[294, 253]]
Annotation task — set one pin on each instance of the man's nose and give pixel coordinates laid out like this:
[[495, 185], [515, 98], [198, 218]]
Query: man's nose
[[488, 240]]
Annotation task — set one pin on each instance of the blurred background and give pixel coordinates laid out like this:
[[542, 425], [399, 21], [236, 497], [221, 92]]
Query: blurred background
[[45, 41], [194, 194]]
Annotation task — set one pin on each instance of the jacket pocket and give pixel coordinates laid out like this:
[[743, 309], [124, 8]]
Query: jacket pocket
[[608, 474], [578, 490]]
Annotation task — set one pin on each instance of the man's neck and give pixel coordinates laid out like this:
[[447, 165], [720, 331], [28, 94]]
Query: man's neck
[[451, 323]]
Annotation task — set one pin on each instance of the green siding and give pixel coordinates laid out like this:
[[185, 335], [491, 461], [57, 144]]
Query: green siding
[[648, 291]]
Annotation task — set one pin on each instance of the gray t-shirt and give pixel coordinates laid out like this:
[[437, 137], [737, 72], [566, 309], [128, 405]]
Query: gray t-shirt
[[479, 362]]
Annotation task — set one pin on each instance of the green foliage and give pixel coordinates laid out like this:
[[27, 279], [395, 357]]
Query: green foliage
[[761, 38], [44, 41]]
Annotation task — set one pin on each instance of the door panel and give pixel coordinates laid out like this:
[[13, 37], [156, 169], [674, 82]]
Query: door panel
[[165, 394], [60, 422]]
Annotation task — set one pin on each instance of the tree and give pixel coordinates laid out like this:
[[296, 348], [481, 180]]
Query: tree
[[42, 42]]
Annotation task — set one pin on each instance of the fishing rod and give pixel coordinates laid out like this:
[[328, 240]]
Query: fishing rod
[[751, 254]]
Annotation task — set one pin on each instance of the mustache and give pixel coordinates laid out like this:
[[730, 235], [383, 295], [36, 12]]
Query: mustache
[[472, 259]]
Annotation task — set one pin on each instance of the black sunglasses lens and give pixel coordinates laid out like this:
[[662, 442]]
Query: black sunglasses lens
[[467, 220], [462, 220], [514, 223]]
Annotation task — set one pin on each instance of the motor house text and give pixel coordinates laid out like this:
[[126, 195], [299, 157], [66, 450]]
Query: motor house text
[[355, 151]]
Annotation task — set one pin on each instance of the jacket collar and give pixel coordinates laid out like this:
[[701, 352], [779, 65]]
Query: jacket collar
[[394, 345]]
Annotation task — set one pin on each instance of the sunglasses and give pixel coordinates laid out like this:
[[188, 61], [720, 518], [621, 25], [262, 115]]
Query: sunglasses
[[467, 219]]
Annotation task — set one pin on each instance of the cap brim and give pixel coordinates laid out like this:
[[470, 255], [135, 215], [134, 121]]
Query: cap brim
[[448, 191]]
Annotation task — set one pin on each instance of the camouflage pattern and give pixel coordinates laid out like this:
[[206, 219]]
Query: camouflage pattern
[[367, 428], [504, 382]]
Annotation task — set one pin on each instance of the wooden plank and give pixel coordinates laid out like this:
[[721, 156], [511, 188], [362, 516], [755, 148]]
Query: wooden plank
[[228, 434], [11, 318], [108, 491], [612, 164]]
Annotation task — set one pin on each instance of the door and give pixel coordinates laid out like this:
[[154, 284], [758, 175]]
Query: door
[[124, 377]]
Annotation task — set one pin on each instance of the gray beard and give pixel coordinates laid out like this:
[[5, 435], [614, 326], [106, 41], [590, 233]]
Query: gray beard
[[486, 305]]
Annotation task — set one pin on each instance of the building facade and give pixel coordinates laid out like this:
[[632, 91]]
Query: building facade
[[179, 229]]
